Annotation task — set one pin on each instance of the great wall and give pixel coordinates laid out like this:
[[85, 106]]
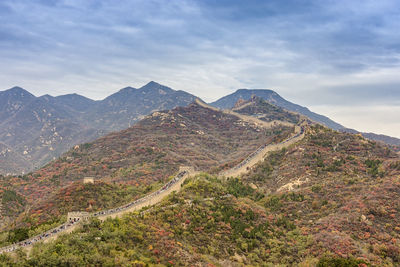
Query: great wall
[[74, 219]]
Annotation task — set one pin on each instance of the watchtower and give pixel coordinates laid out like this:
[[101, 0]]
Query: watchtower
[[186, 168], [75, 216], [88, 180]]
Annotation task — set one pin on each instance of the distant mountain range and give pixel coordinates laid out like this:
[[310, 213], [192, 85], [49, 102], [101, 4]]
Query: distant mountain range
[[35, 130]]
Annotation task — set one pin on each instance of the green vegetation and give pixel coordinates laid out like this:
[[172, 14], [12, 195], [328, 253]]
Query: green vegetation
[[10, 196], [215, 223], [373, 167], [331, 199], [12, 202], [209, 222], [17, 235], [340, 262], [77, 197]]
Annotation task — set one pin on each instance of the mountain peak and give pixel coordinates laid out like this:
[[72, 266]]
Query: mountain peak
[[16, 90], [74, 96], [255, 90], [273, 98], [47, 96], [152, 85], [127, 89]]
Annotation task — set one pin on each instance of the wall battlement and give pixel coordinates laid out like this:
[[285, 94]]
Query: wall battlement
[[78, 216], [88, 180]]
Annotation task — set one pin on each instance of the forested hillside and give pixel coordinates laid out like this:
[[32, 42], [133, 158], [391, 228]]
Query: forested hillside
[[129, 163], [332, 199]]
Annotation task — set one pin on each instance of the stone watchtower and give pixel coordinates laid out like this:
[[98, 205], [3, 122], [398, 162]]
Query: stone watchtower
[[88, 180], [75, 216]]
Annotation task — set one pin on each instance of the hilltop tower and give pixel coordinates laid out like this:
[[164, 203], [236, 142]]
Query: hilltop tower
[[75, 216]]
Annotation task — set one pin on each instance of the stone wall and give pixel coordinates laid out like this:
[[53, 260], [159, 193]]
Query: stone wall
[[78, 216]]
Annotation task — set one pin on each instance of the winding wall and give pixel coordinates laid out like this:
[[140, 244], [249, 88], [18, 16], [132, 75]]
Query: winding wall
[[69, 226]]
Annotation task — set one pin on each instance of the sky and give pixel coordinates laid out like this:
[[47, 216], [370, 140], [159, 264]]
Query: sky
[[340, 58]]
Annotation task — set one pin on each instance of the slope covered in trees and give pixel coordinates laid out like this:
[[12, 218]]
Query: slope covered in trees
[[134, 159], [330, 200]]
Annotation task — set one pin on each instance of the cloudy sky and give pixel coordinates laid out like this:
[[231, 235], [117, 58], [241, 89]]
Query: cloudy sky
[[340, 58]]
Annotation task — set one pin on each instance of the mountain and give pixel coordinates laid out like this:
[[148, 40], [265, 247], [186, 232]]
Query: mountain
[[383, 138], [75, 102], [264, 110], [142, 157], [393, 141], [122, 109], [272, 97], [331, 199], [12, 161], [12, 100], [39, 129]]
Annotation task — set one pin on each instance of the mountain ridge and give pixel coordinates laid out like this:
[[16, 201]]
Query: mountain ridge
[[146, 154], [271, 96], [329, 198], [41, 128], [79, 119]]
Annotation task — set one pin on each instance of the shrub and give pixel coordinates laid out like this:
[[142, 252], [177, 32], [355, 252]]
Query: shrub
[[373, 167], [339, 262], [316, 188]]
